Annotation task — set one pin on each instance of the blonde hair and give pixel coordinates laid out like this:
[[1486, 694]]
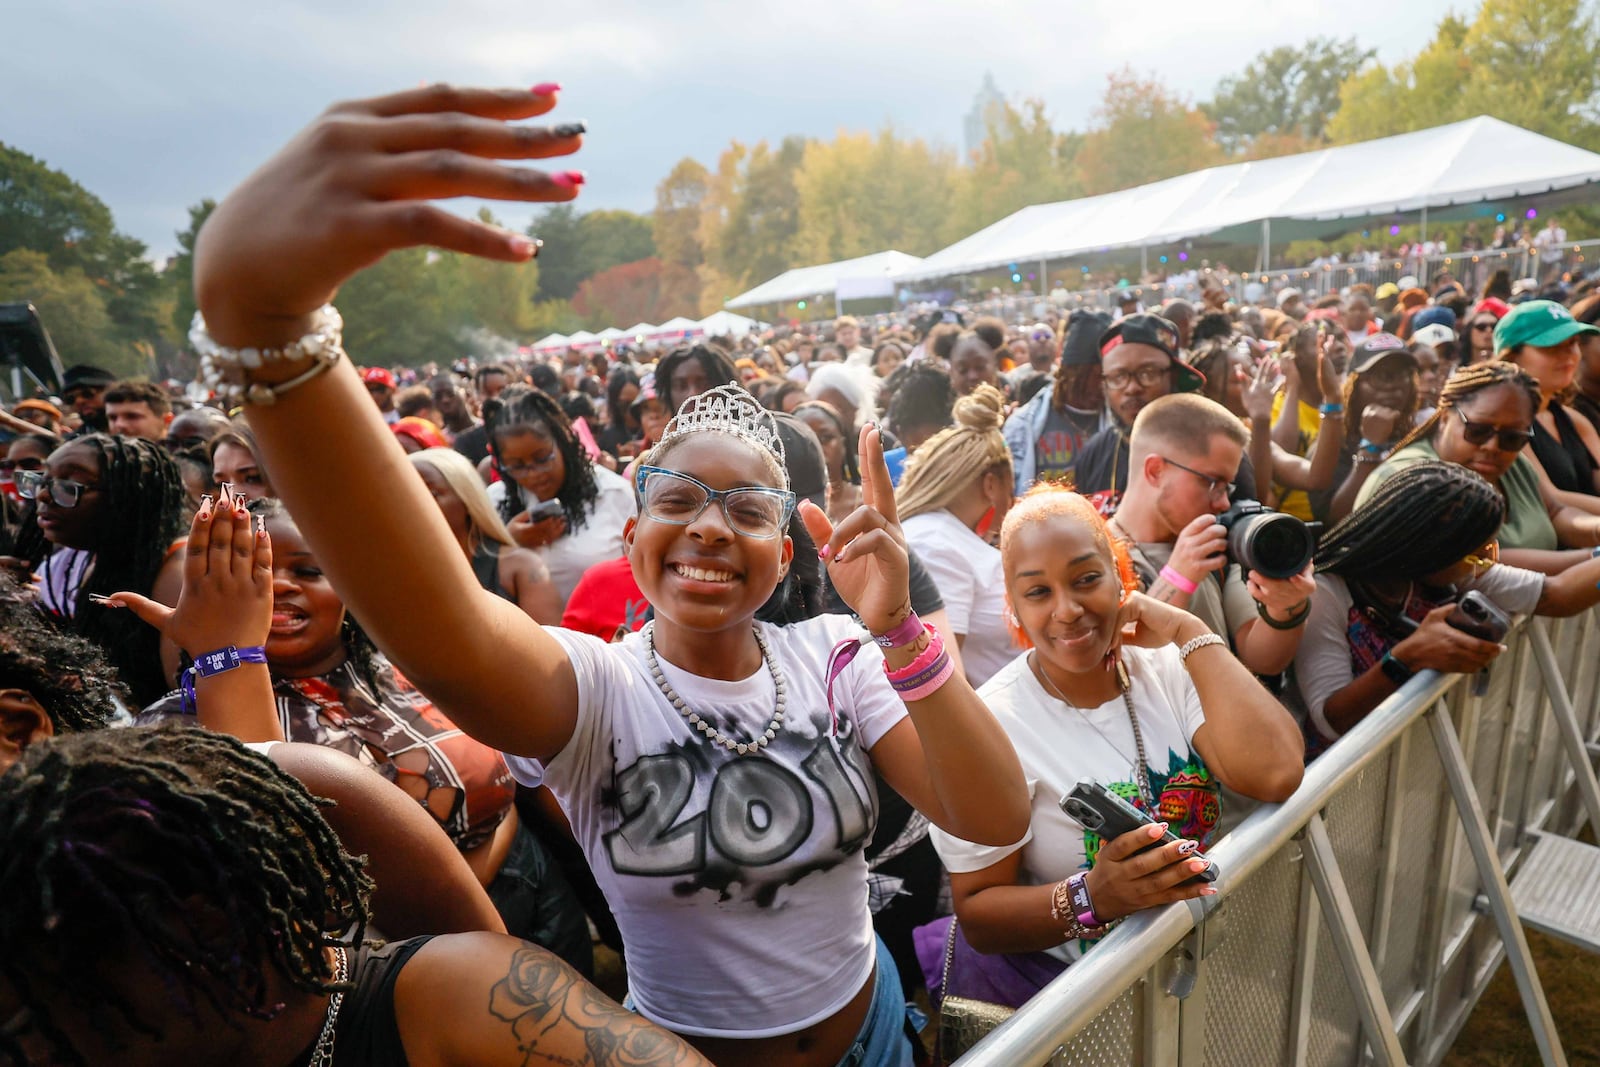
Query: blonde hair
[[462, 478], [1049, 502], [952, 459]]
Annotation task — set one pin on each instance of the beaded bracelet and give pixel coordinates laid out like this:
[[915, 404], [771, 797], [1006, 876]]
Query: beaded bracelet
[[225, 370]]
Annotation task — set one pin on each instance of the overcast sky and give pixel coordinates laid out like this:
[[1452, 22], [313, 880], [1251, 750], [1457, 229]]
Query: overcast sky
[[157, 104]]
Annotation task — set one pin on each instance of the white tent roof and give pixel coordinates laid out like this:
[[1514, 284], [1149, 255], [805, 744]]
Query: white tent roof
[[728, 323], [610, 333], [551, 341], [1469, 162], [640, 328], [677, 325], [807, 283]]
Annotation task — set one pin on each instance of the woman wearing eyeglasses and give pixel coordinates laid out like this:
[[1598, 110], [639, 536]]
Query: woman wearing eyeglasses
[[1484, 422], [721, 789], [553, 497], [108, 514]]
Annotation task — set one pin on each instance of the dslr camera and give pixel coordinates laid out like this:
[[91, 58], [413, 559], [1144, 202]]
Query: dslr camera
[[1268, 542]]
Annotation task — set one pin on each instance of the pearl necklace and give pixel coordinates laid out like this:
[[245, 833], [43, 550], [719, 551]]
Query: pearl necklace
[[712, 734], [322, 1053]]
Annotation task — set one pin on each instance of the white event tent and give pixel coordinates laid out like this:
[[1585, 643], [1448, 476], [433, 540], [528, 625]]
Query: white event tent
[[849, 279], [1449, 171], [728, 324]]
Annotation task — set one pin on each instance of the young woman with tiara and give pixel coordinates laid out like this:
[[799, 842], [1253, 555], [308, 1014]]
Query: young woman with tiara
[[716, 770]]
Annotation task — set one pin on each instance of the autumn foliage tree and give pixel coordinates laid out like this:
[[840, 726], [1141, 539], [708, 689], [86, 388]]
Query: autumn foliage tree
[[644, 291], [1143, 132]]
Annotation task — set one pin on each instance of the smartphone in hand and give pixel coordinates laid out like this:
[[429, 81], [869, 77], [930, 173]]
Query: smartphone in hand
[[1097, 808]]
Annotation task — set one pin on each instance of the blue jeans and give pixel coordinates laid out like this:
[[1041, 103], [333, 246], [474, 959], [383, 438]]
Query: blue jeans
[[882, 1040]]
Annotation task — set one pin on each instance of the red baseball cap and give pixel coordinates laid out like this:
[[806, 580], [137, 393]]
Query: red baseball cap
[[378, 375]]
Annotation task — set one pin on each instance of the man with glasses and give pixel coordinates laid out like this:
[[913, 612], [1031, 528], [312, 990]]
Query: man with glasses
[[1138, 364], [1042, 351], [83, 388], [1186, 454]]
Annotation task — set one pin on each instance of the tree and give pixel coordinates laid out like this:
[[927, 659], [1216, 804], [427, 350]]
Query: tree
[[180, 272], [1533, 63], [1287, 94], [645, 291], [492, 296], [1022, 161], [73, 309], [397, 310], [1143, 133], [562, 269], [583, 245], [759, 208], [859, 194], [680, 201]]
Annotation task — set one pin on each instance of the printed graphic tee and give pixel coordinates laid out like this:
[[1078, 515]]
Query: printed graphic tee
[[737, 881]]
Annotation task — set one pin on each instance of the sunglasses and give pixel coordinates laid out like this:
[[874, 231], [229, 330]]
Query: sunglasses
[[63, 493], [1480, 433]]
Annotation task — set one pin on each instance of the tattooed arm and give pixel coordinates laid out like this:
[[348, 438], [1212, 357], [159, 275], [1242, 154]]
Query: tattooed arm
[[470, 999]]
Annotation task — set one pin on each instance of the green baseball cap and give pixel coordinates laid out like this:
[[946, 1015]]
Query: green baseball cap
[[1540, 323]]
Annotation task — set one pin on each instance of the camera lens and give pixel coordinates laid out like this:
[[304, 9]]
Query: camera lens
[[1272, 544]]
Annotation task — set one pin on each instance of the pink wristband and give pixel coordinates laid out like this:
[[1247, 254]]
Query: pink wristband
[[928, 688], [1178, 581], [908, 631], [924, 660]]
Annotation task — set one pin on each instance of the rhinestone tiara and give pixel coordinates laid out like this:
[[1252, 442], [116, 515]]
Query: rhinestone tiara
[[731, 410]]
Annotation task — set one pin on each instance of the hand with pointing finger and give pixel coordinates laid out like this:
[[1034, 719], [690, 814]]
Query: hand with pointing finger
[[866, 553]]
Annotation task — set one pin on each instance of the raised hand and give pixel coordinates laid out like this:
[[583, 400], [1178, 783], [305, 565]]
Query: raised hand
[[866, 553], [356, 184], [1378, 423], [227, 583], [1260, 388]]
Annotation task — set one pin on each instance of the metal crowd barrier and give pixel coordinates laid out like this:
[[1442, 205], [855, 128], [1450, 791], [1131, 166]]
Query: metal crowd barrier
[[1364, 916]]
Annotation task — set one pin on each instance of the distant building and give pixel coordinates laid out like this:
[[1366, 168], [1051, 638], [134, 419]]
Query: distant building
[[976, 124]]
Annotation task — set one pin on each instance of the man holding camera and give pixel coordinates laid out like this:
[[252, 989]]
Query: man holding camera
[[1184, 455]]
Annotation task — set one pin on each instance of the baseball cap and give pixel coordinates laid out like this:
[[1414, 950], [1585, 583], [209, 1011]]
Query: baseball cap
[[35, 404], [1433, 316], [1287, 294], [1155, 331], [1386, 290], [378, 376], [647, 391], [1434, 335], [1540, 323], [1377, 348]]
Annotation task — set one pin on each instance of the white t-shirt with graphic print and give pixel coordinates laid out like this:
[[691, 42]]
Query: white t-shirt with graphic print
[[1060, 746], [737, 881]]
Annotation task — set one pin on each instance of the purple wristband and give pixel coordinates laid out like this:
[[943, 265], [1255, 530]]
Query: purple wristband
[[1082, 905], [906, 632]]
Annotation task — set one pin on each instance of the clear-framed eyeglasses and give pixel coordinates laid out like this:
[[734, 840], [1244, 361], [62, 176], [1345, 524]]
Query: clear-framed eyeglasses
[[677, 499]]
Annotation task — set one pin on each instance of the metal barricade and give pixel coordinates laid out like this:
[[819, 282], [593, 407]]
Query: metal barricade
[[1365, 915]]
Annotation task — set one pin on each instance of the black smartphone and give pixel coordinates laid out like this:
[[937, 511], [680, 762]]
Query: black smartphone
[[1098, 809], [1477, 615], [544, 509]]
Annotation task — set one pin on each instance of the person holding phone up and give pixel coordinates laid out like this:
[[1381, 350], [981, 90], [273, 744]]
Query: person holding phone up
[[1118, 688]]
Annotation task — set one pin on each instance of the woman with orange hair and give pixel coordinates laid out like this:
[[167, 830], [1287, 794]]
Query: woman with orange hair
[[1119, 689]]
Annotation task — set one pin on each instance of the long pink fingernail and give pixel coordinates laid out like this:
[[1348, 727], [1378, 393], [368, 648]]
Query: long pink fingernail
[[569, 179], [546, 88], [825, 551]]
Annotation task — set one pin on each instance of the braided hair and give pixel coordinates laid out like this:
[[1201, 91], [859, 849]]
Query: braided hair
[[1425, 518], [67, 676], [950, 460], [1468, 382], [719, 370], [521, 407], [143, 512], [177, 848]]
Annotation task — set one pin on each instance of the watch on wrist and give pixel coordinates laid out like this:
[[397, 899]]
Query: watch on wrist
[[1394, 670]]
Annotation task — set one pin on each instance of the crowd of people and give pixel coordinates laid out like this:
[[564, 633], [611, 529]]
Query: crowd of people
[[765, 663]]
